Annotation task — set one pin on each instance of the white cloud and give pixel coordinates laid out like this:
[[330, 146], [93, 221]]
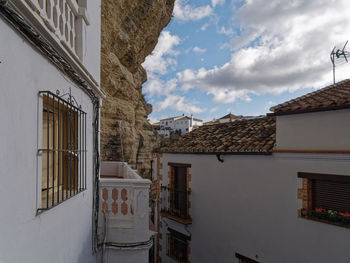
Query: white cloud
[[217, 2], [268, 105], [163, 55], [199, 50], [226, 31], [204, 27], [283, 46], [185, 12], [213, 110], [157, 87], [177, 103], [157, 64]]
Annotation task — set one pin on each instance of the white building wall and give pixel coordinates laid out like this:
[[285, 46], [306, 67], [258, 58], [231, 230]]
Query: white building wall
[[326, 130], [224, 120], [63, 233], [248, 205]]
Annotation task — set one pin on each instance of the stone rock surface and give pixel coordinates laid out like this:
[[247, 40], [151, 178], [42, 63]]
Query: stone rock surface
[[130, 31]]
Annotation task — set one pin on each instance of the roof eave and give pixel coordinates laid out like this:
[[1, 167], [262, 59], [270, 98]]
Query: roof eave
[[222, 153], [341, 107]]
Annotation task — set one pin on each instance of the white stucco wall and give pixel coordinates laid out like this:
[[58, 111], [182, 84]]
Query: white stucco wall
[[326, 130], [62, 234], [92, 45], [248, 205]]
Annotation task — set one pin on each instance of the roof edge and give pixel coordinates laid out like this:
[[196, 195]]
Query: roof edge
[[222, 153], [332, 108]]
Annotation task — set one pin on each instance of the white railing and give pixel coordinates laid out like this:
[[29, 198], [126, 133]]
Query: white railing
[[124, 208], [65, 19]]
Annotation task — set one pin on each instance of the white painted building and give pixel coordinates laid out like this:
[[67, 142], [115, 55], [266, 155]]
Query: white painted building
[[181, 124], [229, 118], [271, 189], [49, 140]]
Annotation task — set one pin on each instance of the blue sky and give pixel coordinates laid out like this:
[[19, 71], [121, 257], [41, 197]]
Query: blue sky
[[220, 56]]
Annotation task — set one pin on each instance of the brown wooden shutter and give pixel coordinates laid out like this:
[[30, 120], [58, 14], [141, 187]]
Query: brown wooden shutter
[[331, 195]]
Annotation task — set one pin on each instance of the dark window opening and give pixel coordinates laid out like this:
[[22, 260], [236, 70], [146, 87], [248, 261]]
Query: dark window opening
[[177, 246], [175, 199]]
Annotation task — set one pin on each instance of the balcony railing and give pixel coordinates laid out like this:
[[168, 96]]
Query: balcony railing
[[176, 204], [65, 19], [124, 209]]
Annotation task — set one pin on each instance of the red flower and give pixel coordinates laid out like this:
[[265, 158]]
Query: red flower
[[320, 210], [346, 214]]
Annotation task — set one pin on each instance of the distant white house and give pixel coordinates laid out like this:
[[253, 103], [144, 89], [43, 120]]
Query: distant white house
[[229, 118], [181, 124]]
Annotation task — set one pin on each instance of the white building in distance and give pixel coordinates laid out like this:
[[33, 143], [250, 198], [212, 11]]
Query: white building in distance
[[181, 124]]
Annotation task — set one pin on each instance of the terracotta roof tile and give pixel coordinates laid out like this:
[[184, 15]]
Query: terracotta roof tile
[[240, 136], [331, 97]]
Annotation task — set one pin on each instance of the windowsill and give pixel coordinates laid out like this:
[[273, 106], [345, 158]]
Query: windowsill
[[185, 221], [39, 211], [325, 218]]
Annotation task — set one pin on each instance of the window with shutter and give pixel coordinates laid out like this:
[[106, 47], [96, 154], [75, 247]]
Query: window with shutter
[[326, 198]]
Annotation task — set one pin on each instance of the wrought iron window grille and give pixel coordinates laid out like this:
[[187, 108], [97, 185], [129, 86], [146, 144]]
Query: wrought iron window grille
[[177, 246], [175, 202], [64, 151]]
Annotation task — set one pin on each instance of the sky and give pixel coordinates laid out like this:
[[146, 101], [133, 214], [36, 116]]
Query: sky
[[243, 57]]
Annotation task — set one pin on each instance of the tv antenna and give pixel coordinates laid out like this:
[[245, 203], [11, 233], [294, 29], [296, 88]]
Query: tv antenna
[[337, 56]]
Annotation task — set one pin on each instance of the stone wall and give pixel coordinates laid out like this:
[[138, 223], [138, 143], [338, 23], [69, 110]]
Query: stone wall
[[130, 31]]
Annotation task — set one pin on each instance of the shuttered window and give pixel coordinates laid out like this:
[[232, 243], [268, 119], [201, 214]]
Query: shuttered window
[[331, 195], [325, 198]]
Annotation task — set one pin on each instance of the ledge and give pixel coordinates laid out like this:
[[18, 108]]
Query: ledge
[[307, 215], [185, 221]]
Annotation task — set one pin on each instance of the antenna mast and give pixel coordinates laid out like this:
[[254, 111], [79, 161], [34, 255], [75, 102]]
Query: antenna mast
[[338, 54]]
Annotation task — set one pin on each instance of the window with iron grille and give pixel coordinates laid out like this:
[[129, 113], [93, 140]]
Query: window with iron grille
[[326, 197], [178, 246], [63, 149], [176, 197]]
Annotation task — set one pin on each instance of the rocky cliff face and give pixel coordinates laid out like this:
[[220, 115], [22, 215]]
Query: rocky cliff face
[[130, 31]]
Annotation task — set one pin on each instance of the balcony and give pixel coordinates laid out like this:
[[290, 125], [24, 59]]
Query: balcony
[[176, 204], [124, 211], [61, 21]]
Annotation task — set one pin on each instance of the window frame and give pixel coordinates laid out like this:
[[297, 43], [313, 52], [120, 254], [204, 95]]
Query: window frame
[[168, 208], [173, 234], [310, 184], [76, 177]]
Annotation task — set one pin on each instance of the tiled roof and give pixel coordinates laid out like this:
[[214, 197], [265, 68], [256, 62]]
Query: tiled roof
[[335, 96], [180, 118], [241, 136]]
